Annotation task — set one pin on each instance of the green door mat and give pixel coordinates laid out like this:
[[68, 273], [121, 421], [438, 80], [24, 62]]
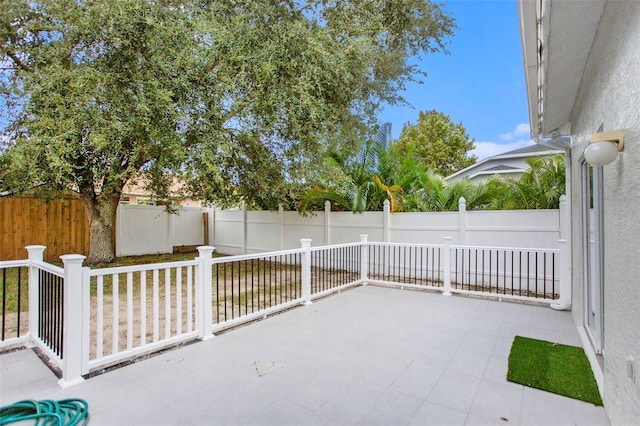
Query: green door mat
[[553, 367]]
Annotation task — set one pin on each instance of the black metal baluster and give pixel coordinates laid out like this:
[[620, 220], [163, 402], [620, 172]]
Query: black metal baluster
[[4, 300], [544, 274], [553, 275], [19, 307], [536, 273]]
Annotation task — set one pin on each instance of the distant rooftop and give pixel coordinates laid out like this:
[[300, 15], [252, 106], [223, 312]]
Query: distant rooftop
[[500, 168], [494, 165], [529, 149]]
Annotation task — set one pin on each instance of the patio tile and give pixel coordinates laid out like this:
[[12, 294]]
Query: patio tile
[[281, 412], [587, 414], [496, 369], [417, 380], [440, 351], [503, 345], [544, 408], [392, 408], [382, 370], [367, 355], [470, 362], [496, 402], [350, 404], [431, 414], [319, 390], [555, 335], [455, 390], [478, 421], [479, 341]]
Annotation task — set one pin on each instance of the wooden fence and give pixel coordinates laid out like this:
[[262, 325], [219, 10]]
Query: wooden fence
[[61, 225]]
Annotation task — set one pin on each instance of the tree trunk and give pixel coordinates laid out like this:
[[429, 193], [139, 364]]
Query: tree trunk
[[101, 212]]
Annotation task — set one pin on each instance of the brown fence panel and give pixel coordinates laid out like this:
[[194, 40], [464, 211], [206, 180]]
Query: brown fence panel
[[61, 225]]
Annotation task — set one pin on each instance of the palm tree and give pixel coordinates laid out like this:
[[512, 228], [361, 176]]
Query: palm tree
[[436, 194], [364, 182], [540, 187]]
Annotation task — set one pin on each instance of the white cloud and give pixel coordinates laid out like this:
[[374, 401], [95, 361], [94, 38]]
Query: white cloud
[[521, 131], [483, 150]]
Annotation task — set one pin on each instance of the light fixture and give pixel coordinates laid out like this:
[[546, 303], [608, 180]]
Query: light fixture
[[603, 147]]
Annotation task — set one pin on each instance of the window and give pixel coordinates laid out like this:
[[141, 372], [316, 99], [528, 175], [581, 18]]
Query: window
[[593, 253]]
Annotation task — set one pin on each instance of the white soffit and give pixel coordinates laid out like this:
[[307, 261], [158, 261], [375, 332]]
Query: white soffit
[[571, 29]]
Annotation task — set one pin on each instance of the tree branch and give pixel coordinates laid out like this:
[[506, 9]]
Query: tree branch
[[18, 62]]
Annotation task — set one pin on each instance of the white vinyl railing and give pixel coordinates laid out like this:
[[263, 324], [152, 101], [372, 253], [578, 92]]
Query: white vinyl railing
[[88, 319], [136, 309]]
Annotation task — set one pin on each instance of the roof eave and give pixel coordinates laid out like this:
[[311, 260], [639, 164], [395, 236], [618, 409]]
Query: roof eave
[[528, 16]]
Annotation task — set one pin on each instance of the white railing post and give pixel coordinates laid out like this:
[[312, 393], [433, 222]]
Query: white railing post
[[462, 221], [447, 266], [564, 302], [86, 318], [386, 213], [73, 320], [36, 254], [204, 300], [306, 271], [281, 217], [364, 259], [244, 227], [327, 222]]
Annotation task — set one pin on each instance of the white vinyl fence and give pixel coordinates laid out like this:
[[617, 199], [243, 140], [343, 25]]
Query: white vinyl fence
[[239, 231], [151, 229]]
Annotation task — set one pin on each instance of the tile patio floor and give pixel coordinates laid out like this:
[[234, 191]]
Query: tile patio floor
[[370, 356]]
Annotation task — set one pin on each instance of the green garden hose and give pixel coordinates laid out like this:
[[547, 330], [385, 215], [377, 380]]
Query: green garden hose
[[66, 412]]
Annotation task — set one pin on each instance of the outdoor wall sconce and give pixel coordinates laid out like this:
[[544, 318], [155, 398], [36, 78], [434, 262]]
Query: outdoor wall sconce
[[603, 147]]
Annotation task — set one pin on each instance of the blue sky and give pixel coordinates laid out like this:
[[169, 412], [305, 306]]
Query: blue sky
[[481, 83]]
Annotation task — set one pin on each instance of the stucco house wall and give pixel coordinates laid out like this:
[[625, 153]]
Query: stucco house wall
[[582, 69], [609, 99]]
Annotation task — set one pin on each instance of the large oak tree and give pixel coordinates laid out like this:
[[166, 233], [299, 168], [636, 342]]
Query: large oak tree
[[240, 97]]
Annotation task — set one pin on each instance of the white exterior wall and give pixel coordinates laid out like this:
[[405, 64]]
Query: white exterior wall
[[610, 97]]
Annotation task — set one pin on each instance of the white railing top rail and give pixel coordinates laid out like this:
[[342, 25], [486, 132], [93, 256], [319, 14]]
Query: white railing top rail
[[48, 267], [379, 243], [13, 263], [227, 259], [140, 268], [523, 249], [336, 246]]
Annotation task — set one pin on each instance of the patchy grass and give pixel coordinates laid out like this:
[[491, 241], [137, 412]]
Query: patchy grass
[[149, 258], [552, 367]]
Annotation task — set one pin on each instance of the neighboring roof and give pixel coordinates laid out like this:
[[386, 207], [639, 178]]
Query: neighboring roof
[[534, 150], [177, 187], [529, 149], [556, 40], [501, 168]]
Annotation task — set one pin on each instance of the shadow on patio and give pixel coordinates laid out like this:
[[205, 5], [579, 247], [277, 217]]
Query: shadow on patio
[[370, 355]]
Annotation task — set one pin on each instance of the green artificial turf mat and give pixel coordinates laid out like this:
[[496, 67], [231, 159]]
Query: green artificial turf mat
[[552, 367]]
